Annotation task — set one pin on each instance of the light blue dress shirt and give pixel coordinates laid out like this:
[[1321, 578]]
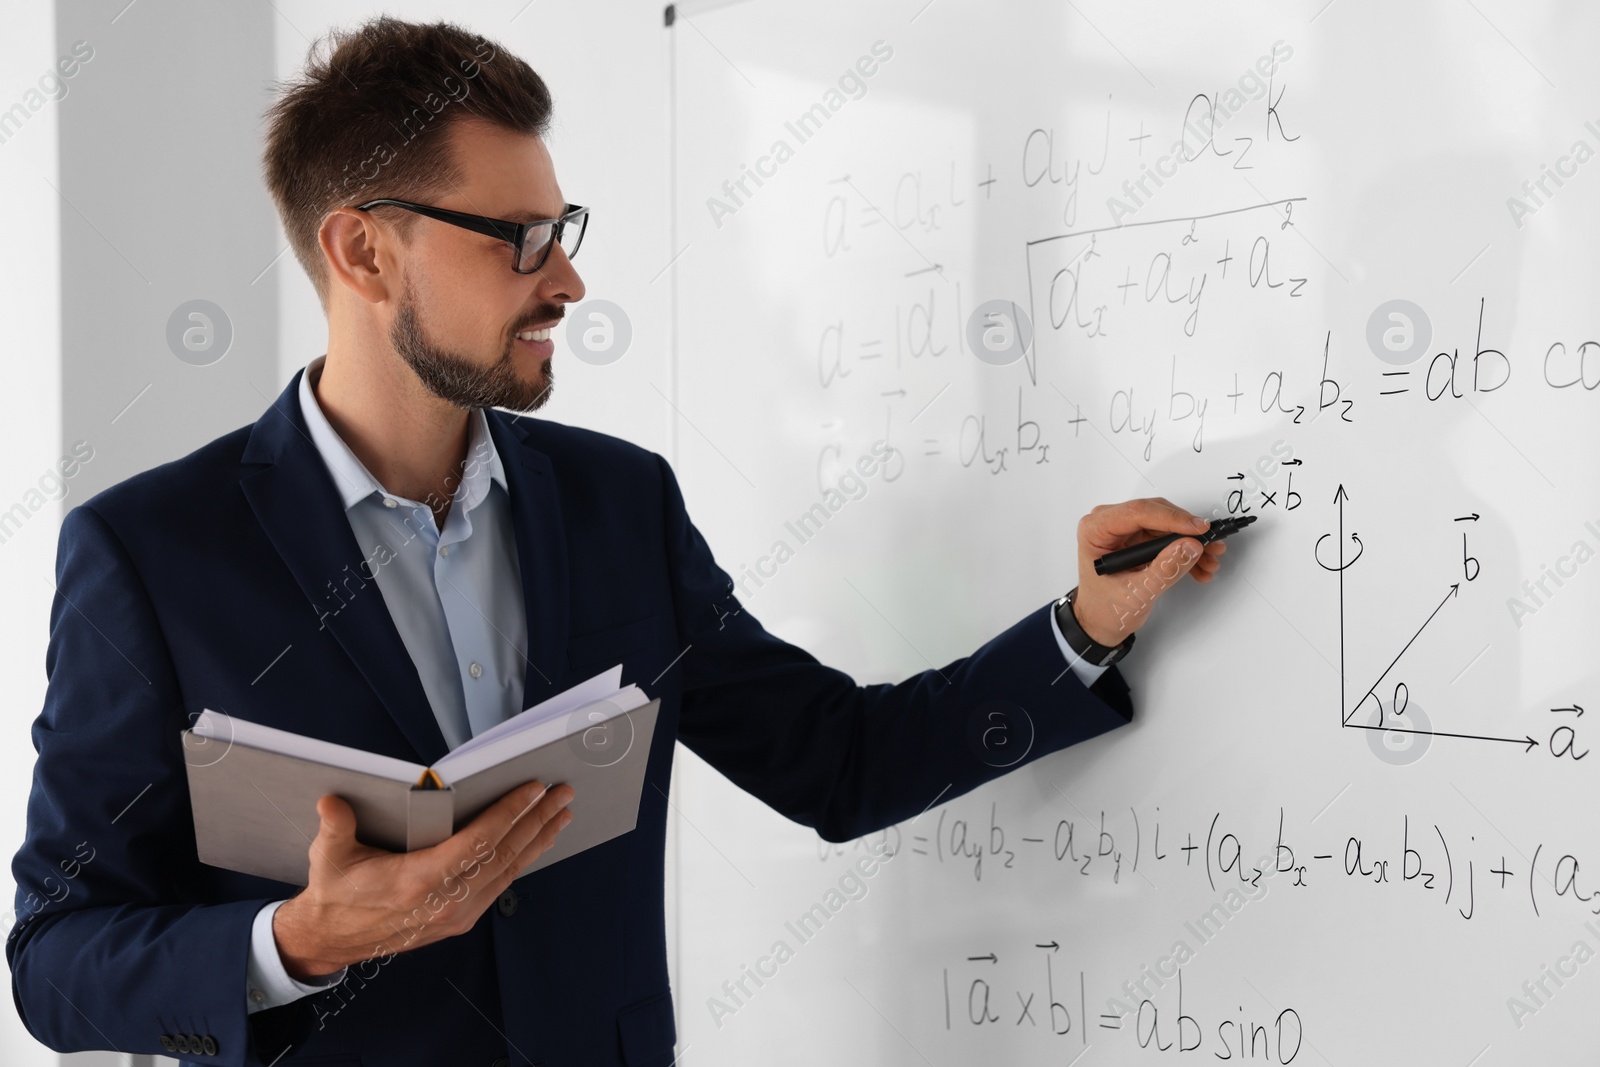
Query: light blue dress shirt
[[458, 606], [455, 596]]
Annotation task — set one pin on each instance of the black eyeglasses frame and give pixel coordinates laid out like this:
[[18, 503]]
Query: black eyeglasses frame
[[513, 232]]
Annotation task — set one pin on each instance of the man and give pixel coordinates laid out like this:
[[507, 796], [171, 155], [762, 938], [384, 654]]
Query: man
[[385, 560]]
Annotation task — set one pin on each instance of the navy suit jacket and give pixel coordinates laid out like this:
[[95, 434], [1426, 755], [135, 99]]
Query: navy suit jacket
[[208, 582]]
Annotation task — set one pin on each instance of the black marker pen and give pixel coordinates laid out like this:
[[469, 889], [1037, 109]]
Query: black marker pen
[[1145, 551]]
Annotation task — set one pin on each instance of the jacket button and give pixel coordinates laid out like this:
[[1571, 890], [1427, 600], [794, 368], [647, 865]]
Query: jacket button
[[208, 1045], [508, 903], [168, 1044], [183, 1042]]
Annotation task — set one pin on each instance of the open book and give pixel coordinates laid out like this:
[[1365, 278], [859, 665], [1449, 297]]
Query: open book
[[254, 788]]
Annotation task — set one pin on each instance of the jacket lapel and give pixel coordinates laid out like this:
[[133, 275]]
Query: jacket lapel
[[541, 553], [300, 509], [297, 504]]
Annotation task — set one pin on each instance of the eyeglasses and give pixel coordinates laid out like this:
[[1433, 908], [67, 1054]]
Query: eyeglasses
[[532, 240]]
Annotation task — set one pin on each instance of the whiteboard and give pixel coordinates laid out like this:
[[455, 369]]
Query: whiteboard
[[1302, 260]]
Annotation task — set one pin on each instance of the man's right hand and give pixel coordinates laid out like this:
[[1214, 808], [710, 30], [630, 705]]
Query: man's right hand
[[363, 902]]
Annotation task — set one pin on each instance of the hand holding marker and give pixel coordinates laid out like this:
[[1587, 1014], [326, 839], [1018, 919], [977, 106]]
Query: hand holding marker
[[1142, 553]]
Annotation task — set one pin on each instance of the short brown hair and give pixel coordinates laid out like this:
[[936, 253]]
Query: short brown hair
[[368, 118]]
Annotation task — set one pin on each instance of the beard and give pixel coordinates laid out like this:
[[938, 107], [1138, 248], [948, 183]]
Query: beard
[[460, 380]]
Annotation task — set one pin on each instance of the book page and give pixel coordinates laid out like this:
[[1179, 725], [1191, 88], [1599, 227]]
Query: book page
[[601, 686], [228, 730], [538, 731]]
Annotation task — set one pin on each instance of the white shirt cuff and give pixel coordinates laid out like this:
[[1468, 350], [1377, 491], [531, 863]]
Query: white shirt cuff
[[268, 983], [1087, 672]]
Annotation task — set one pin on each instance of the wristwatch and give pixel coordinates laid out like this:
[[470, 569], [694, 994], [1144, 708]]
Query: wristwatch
[[1086, 647]]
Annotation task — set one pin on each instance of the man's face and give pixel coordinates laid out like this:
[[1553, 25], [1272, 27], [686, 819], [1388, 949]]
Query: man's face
[[461, 305]]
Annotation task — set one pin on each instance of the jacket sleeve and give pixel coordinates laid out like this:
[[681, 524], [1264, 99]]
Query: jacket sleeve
[[110, 949], [848, 759]]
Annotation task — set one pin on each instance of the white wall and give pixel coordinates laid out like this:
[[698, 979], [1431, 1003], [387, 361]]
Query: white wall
[[30, 434]]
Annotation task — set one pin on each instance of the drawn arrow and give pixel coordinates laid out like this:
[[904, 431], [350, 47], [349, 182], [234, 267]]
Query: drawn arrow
[[1052, 946], [991, 957], [1339, 497], [1455, 590], [1343, 563], [1576, 707], [1529, 743]]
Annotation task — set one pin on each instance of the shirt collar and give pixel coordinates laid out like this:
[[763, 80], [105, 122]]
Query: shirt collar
[[351, 477]]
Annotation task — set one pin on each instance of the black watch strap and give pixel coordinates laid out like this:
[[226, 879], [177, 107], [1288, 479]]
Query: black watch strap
[[1086, 647]]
